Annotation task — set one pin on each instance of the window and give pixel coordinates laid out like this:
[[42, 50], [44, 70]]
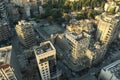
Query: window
[[41, 64], [45, 63]]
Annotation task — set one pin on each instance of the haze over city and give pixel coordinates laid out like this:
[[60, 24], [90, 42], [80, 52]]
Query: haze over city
[[59, 39]]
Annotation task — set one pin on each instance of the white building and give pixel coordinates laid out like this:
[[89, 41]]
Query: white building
[[111, 72], [41, 10], [46, 59], [27, 10]]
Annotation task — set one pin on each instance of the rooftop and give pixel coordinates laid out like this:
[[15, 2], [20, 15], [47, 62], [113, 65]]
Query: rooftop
[[78, 35], [114, 68], [80, 25], [44, 47], [5, 54], [109, 18], [25, 24]]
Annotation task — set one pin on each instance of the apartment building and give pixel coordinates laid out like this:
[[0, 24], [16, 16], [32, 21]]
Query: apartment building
[[108, 27], [26, 33], [111, 71], [6, 70], [5, 31], [46, 60]]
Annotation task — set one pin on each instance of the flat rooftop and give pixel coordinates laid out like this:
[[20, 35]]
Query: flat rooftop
[[109, 18], [114, 68], [5, 55], [45, 47], [78, 36]]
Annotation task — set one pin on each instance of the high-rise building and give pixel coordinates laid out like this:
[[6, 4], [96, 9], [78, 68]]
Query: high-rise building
[[74, 47], [6, 70], [4, 22], [5, 32], [108, 23], [7, 73], [46, 59], [111, 71], [108, 26], [3, 12], [74, 43], [33, 3], [26, 33], [13, 12]]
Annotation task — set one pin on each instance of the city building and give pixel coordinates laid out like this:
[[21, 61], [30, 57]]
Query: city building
[[111, 71], [108, 26], [111, 6], [5, 31], [3, 12], [46, 60], [26, 33], [81, 25], [4, 22], [6, 69], [96, 52], [74, 45], [13, 12], [7, 73], [108, 23]]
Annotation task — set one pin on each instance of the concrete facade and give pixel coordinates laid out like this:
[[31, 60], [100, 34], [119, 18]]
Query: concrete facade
[[6, 70], [110, 72], [46, 60], [26, 33], [5, 32], [108, 26]]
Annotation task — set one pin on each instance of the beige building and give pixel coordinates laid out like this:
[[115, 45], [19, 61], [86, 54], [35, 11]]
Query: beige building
[[46, 60], [6, 70], [111, 6], [7, 73], [108, 23], [96, 53], [29, 6], [26, 33], [108, 26], [73, 46]]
